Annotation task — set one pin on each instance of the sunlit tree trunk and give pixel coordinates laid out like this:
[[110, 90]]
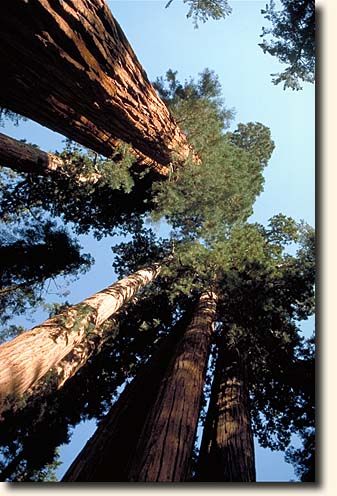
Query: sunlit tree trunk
[[68, 66], [227, 449], [26, 158], [166, 444], [23, 157], [106, 456], [27, 358]]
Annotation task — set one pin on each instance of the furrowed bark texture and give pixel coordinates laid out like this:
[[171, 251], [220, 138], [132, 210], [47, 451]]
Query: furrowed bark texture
[[227, 448], [27, 358], [166, 443], [106, 456], [68, 65]]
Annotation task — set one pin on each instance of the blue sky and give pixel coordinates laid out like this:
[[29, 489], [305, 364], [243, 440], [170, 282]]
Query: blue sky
[[164, 38]]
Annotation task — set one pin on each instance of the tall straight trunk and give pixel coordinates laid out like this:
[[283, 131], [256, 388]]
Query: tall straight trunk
[[166, 443], [227, 448], [23, 157], [68, 66], [106, 456], [27, 358]]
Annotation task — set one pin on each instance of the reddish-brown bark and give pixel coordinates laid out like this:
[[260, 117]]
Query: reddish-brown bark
[[26, 158], [68, 65], [227, 448], [63, 343], [106, 456], [166, 443], [23, 157]]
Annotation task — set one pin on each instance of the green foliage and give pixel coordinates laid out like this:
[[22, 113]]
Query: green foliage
[[292, 40], [255, 138], [202, 10], [263, 292], [197, 107], [201, 200], [92, 192], [31, 256]]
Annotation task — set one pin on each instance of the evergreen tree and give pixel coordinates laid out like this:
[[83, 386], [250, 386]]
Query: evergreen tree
[[262, 291], [31, 255], [165, 447], [227, 448], [93, 193], [291, 38]]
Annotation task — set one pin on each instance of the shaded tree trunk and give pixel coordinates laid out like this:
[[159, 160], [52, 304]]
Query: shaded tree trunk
[[27, 358], [68, 66], [106, 456], [23, 157], [166, 443], [227, 449]]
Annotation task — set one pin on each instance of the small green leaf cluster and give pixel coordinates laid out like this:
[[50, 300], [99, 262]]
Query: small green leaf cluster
[[202, 10]]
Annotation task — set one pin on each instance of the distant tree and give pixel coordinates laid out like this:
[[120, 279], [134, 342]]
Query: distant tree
[[30, 257], [291, 39], [202, 10], [303, 379]]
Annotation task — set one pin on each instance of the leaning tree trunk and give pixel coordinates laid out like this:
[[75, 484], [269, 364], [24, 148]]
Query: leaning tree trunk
[[23, 157], [106, 456], [69, 66], [227, 448], [166, 443], [27, 358]]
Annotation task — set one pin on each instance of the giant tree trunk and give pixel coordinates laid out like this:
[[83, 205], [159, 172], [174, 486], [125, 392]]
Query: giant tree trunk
[[106, 456], [68, 66], [227, 449], [166, 443], [27, 358]]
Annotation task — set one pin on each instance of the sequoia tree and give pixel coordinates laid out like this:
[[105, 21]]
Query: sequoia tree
[[69, 335], [70, 67], [227, 448], [165, 446], [107, 454]]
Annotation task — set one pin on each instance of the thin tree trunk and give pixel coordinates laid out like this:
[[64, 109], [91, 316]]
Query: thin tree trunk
[[27, 358], [227, 448], [166, 444], [107, 455], [23, 157], [68, 66]]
